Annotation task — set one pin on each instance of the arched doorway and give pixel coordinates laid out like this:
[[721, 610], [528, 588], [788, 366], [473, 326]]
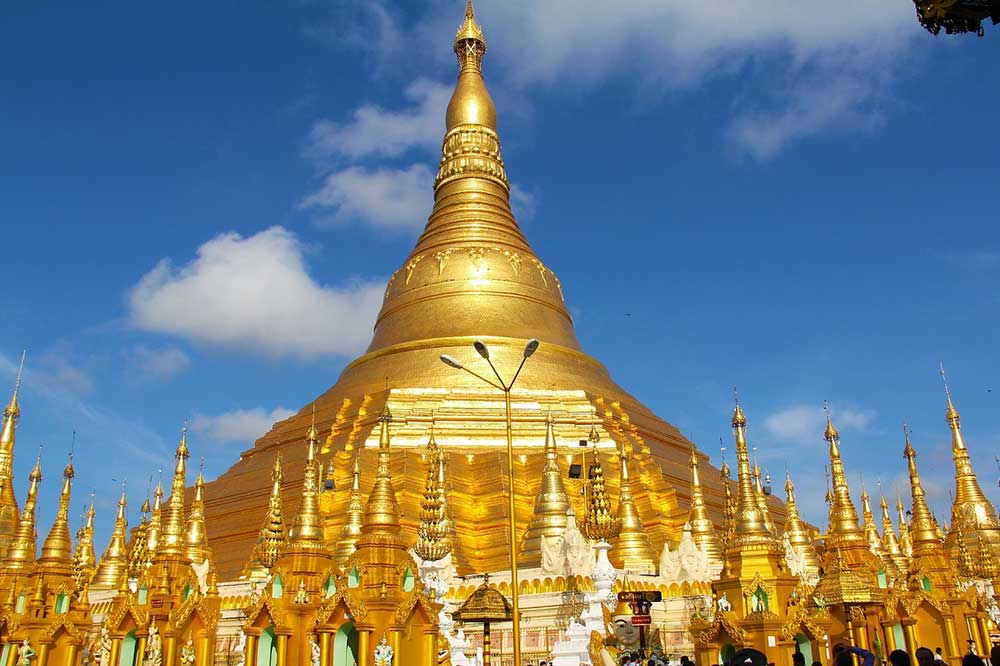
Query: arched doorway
[[267, 648], [128, 654], [345, 646], [805, 647]]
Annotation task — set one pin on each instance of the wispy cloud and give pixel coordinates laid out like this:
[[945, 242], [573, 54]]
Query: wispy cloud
[[255, 293], [157, 362], [805, 423], [386, 198], [239, 425]]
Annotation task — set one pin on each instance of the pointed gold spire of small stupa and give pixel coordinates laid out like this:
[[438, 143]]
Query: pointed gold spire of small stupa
[[382, 510], [9, 510], [872, 537], [796, 534], [434, 539], [923, 527], [905, 541], [21, 552], [111, 569], [155, 529], [172, 533], [272, 533], [57, 550], [306, 531], [890, 541], [138, 546], [351, 531], [844, 526], [551, 504], [729, 507], [702, 529], [758, 488], [749, 520], [84, 559], [632, 550], [196, 537], [970, 507], [599, 524]]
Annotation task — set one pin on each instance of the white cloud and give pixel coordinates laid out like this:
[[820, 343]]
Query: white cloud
[[158, 362], [239, 425], [386, 198], [255, 293], [805, 423], [374, 131], [522, 203]]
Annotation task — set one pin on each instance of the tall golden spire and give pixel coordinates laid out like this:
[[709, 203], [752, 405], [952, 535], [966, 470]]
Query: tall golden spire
[[351, 531], [872, 537], [84, 559], [843, 516], [923, 528], [889, 540], [750, 523], [729, 508], [702, 528], [599, 524], [111, 569], [8, 501], [21, 552], [632, 550], [382, 510], [551, 504], [272, 532], [434, 537], [197, 534], [57, 551], [796, 533], [306, 531], [970, 506], [138, 548], [905, 541], [155, 529], [173, 539], [758, 488]]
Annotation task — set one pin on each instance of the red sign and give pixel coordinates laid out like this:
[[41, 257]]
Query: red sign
[[156, 603], [641, 620]]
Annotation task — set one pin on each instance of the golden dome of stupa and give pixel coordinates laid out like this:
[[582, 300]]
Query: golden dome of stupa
[[471, 276]]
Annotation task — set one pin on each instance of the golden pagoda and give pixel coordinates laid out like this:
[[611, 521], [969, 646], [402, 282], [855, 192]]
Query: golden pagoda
[[798, 538], [471, 276], [9, 511]]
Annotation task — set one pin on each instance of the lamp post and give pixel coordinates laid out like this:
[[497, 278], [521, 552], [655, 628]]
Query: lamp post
[[501, 385]]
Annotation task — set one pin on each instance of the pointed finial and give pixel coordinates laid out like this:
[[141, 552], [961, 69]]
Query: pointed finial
[[739, 420], [952, 414], [470, 12], [830, 434]]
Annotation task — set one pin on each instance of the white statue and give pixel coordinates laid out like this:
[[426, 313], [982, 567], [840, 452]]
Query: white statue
[[86, 659], [383, 653], [187, 653], [241, 649], [724, 604], [314, 650], [201, 571], [154, 648], [104, 653], [567, 554], [688, 563], [25, 654]]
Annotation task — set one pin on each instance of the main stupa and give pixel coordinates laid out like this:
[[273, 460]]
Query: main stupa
[[472, 276]]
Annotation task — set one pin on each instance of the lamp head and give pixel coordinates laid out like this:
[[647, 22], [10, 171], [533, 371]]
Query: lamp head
[[531, 347], [482, 349], [451, 361]]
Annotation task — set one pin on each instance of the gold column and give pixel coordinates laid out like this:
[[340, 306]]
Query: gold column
[[950, 638], [430, 648], [116, 650], [325, 658], [394, 639], [12, 652], [43, 654], [972, 628], [282, 650], [486, 644], [364, 647], [204, 650], [515, 613], [251, 648], [911, 637], [984, 629], [169, 651], [140, 650], [71, 654], [890, 638]]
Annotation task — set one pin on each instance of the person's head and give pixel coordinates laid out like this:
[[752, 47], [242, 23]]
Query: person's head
[[798, 659], [995, 655], [937, 651], [972, 660], [924, 656], [817, 663], [843, 658], [900, 658]]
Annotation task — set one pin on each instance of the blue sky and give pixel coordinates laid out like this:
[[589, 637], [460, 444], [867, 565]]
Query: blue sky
[[200, 205]]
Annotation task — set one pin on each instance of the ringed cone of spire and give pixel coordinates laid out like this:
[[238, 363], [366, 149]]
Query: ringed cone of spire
[[551, 503], [306, 531], [9, 510], [382, 510], [702, 529], [20, 555], [599, 523], [272, 532], [351, 531], [196, 537], [155, 529], [872, 537], [923, 528], [796, 534], [632, 551], [57, 550], [844, 527], [434, 533], [138, 547], [905, 541], [890, 541], [112, 568], [750, 523], [172, 542], [758, 488], [84, 558]]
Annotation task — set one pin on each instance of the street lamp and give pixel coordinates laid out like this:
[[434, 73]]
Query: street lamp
[[501, 385]]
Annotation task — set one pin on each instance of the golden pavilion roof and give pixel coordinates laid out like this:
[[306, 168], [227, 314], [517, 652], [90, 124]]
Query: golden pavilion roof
[[485, 604]]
